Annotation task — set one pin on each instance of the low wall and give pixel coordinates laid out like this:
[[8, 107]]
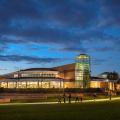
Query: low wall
[[23, 96], [5, 100], [52, 90], [36, 95]]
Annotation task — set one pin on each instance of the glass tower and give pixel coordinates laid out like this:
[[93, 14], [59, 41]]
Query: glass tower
[[82, 71]]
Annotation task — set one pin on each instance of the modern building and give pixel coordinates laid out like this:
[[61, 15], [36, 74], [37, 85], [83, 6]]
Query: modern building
[[76, 75], [33, 78]]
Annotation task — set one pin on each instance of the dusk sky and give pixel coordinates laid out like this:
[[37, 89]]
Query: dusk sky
[[46, 33]]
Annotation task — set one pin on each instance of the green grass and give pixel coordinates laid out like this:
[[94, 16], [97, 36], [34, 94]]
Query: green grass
[[55, 99], [80, 111]]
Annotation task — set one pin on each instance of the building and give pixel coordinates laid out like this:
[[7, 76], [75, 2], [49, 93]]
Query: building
[[106, 80], [98, 82], [76, 75], [33, 78]]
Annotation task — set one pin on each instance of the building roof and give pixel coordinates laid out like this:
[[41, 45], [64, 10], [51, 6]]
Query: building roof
[[65, 67], [97, 79], [39, 69]]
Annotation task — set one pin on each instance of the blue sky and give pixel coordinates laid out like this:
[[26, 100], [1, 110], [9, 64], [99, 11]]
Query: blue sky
[[46, 33]]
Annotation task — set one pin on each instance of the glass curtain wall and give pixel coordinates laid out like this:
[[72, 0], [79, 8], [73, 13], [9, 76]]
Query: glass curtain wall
[[82, 71]]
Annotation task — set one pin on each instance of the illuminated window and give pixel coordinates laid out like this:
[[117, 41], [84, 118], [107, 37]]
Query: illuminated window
[[82, 71]]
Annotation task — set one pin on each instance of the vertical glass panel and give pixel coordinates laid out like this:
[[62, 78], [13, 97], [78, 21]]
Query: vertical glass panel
[[82, 71]]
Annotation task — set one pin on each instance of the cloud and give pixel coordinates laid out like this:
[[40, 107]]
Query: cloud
[[112, 7], [73, 49], [44, 21], [3, 48], [28, 59], [70, 24], [104, 49]]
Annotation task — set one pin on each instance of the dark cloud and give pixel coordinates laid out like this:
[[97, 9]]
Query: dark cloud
[[73, 49], [34, 20], [112, 7], [68, 23], [104, 49], [68, 13], [28, 59]]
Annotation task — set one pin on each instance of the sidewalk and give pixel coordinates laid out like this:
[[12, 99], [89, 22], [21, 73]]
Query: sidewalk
[[84, 101]]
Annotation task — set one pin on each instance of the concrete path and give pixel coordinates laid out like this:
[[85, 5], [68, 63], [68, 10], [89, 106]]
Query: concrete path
[[84, 101]]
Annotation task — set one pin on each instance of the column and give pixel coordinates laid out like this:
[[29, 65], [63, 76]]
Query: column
[[26, 84]]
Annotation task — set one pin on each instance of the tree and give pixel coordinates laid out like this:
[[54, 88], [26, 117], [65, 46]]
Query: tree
[[113, 76]]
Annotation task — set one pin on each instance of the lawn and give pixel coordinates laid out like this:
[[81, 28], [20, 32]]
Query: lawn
[[55, 99], [79, 111]]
